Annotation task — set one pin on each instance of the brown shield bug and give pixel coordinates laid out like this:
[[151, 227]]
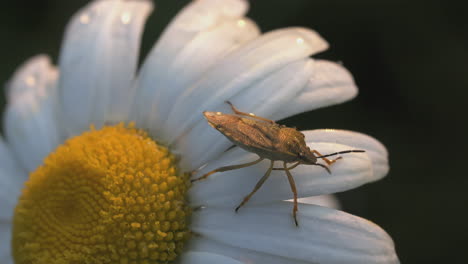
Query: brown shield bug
[[268, 140]]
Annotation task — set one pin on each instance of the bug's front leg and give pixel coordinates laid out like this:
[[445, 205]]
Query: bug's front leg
[[289, 168], [227, 168], [328, 161]]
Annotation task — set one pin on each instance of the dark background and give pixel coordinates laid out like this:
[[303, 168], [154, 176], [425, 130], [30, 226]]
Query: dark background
[[409, 59]]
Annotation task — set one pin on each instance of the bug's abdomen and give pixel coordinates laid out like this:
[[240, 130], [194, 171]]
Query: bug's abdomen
[[254, 136]]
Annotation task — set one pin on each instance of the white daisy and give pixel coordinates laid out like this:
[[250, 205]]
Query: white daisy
[[113, 195]]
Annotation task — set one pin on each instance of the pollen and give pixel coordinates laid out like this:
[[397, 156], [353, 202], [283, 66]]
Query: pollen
[[106, 196]]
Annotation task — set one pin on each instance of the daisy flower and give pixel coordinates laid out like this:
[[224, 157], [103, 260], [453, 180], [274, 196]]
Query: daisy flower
[[95, 162]]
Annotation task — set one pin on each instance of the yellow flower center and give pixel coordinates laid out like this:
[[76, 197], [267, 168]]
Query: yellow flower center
[[107, 196]]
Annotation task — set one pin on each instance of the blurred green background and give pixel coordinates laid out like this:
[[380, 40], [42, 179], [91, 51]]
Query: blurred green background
[[409, 59]]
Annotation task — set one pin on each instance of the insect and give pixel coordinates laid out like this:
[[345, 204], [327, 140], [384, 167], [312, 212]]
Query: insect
[[268, 140]]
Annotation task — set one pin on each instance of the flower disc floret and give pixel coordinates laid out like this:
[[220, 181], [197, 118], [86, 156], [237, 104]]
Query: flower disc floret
[[106, 196]]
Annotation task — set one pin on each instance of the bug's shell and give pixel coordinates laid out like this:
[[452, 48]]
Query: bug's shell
[[268, 140]]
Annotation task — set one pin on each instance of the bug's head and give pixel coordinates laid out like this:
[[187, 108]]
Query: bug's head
[[306, 156]]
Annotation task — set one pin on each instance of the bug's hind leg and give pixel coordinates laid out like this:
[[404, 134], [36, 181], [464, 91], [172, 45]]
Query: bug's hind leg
[[227, 168], [293, 189], [257, 186], [236, 111]]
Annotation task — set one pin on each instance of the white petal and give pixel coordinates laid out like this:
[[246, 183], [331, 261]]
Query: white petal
[[329, 201], [244, 255], [237, 72], [203, 143], [7, 260], [194, 257], [32, 77], [330, 84], [5, 242], [8, 163], [324, 235], [30, 120], [193, 61], [185, 51], [12, 177], [98, 62], [227, 189], [374, 149]]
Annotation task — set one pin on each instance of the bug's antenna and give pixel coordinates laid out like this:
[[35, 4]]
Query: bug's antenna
[[340, 152]]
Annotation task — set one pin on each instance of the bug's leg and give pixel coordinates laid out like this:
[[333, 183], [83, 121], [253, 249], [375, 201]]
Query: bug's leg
[[323, 166], [299, 163], [227, 168], [257, 186], [290, 168], [236, 111], [328, 161], [293, 189]]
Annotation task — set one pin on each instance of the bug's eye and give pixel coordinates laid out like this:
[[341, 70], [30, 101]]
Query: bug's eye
[[301, 154]]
